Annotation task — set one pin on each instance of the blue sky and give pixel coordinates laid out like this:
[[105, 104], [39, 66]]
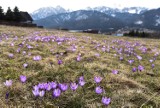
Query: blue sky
[[32, 5]]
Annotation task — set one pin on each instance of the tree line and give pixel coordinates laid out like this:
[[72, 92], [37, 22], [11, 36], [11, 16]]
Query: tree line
[[136, 33], [10, 15]]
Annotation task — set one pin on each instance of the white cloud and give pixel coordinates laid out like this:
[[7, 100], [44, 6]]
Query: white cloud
[[31, 5]]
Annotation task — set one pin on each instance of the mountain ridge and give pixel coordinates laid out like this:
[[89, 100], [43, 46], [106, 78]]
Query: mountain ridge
[[81, 19], [48, 11], [108, 19]]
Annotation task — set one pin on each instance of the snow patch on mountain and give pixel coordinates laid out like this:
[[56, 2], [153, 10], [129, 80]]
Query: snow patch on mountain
[[157, 22], [132, 11], [68, 17], [139, 22], [113, 15], [47, 11], [82, 17], [56, 20]]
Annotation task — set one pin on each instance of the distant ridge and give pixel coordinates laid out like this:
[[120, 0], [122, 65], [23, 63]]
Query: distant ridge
[[104, 19], [47, 11]]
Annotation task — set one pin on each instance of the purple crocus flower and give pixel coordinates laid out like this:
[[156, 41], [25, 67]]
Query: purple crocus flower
[[121, 58], [56, 92], [8, 83], [36, 87], [103, 49], [153, 65], [114, 71], [25, 65], [24, 52], [53, 84], [11, 55], [156, 54], [21, 44], [97, 55], [41, 93], [23, 78], [37, 58], [81, 81], [150, 60], [78, 58], [139, 57], [29, 46], [97, 79], [134, 69], [73, 49], [60, 62], [106, 101], [98, 90], [130, 61], [73, 86], [7, 95], [35, 92], [41, 85], [18, 50], [46, 85], [81, 78], [12, 44], [59, 43], [140, 68], [63, 86]]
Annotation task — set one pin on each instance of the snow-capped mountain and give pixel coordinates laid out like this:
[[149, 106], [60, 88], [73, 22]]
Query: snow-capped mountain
[[47, 11], [134, 10], [150, 19], [101, 18], [81, 20], [104, 9], [127, 15], [111, 11]]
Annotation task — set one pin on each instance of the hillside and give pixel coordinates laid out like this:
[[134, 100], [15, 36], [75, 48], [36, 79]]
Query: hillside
[[47, 11], [50, 68], [102, 18], [81, 20]]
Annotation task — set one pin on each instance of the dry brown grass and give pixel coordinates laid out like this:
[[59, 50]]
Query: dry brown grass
[[126, 89]]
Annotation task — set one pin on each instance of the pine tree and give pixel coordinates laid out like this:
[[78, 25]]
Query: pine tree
[[137, 33], [9, 15], [131, 33], [143, 34], [1, 14], [17, 15]]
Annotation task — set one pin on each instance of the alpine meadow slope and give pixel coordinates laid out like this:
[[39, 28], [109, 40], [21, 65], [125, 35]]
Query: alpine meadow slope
[[51, 68]]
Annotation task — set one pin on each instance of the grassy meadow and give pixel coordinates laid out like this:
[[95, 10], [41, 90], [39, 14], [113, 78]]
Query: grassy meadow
[[127, 70]]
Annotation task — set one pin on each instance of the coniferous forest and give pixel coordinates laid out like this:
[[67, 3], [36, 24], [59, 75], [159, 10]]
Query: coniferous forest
[[11, 15]]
